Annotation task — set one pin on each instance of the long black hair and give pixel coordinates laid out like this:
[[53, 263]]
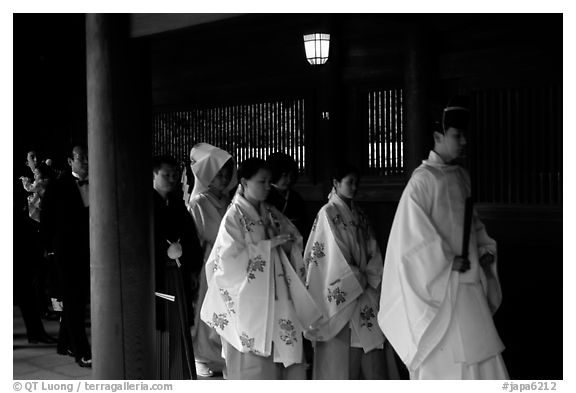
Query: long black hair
[[250, 167], [344, 169]]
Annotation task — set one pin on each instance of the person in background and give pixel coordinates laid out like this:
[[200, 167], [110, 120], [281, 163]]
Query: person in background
[[213, 169], [65, 217], [344, 271], [440, 285], [282, 194], [178, 259], [28, 262], [256, 298], [32, 160], [289, 202]]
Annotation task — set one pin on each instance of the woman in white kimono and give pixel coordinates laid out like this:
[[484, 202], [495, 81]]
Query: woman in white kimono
[[256, 298], [213, 168], [344, 271]]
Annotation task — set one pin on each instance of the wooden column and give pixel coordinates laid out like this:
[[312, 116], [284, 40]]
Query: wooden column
[[329, 129], [330, 115], [418, 136], [122, 297]]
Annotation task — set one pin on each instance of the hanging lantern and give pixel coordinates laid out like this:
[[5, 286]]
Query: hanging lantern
[[317, 46]]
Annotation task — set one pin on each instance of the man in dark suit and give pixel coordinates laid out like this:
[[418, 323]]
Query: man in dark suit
[[29, 264], [65, 217]]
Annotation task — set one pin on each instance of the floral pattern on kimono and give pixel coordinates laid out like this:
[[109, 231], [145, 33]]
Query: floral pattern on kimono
[[255, 265], [367, 317], [260, 289], [342, 241], [316, 253], [337, 295], [228, 300], [288, 332], [218, 320]]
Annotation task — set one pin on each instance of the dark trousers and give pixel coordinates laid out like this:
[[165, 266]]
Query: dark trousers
[[174, 348], [27, 269], [72, 335], [28, 300]]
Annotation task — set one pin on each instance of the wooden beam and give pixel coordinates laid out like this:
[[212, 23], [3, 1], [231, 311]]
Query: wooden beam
[[149, 24]]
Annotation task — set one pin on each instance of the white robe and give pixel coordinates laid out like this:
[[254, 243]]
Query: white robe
[[256, 294], [207, 212], [430, 313], [342, 240], [206, 161]]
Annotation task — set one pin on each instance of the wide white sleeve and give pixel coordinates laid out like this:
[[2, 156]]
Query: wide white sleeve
[[375, 263], [486, 244], [330, 280], [233, 258], [198, 215], [239, 273], [418, 280]]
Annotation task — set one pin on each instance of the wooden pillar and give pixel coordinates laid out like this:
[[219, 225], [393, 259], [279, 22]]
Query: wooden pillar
[[418, 137], [328, 126], [122, 297], [330, 115]]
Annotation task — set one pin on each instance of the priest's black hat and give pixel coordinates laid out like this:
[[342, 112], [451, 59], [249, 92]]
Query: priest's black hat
[[457, 113]]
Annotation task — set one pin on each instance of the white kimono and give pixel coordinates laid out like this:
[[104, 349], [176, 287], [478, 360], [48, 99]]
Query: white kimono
[[438, 320], [207, 212], [342, 240], [256, 294]]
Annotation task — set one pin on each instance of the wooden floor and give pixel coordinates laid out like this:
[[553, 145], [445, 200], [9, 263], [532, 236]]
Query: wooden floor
[[40, 361]]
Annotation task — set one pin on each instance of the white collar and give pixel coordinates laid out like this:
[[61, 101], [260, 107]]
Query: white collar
[[78, 177]]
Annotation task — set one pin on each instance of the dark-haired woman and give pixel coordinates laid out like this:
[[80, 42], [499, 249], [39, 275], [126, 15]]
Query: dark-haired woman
[[256, 298], [282, 194], [344, 271]]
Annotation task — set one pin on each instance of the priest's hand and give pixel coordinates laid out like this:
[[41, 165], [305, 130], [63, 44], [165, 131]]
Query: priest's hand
[[461, 264], [486, 261]]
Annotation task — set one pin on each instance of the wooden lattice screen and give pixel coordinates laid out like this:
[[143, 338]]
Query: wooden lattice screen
[[385, 132], [251, 130]]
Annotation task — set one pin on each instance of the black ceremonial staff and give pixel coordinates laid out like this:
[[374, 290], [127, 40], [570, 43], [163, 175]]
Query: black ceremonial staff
[[467, 226]]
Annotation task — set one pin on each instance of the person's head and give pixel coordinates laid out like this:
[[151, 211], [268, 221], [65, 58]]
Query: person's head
[[284, 170], [450, 144], [78, 161], [165, 174], [32, 160], [450, 141], [213, 169], [222, 178], [345, 180], [254, 176]]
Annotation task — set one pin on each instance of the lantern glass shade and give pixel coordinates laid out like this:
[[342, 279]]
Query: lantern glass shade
[[317, 46]]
